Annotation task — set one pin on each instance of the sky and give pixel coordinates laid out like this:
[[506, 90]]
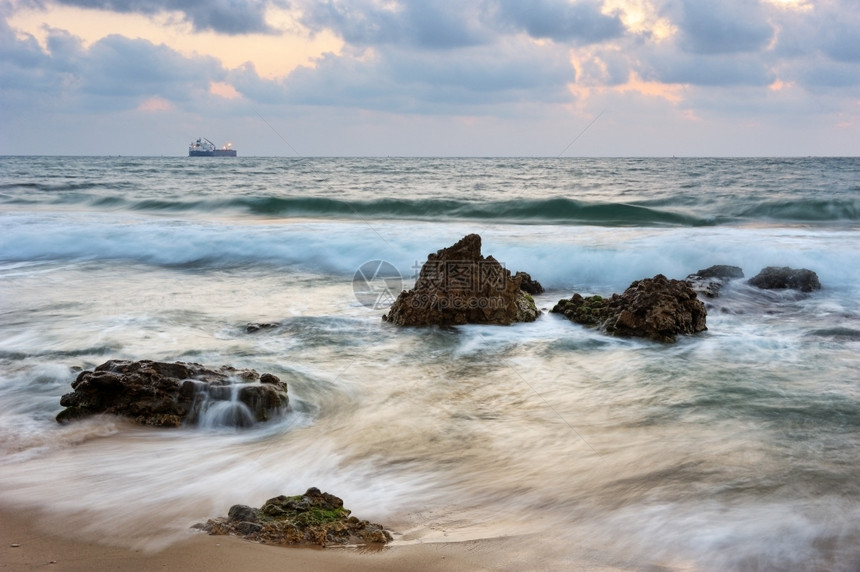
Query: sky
[[431, 78]]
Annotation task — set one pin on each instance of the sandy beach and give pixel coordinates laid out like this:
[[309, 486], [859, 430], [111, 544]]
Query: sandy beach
[[29, 545], [26, 546]]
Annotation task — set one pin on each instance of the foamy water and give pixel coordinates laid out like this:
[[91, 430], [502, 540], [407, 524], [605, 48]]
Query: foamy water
[[734, 449]]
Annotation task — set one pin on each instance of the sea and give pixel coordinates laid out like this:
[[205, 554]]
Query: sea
[[734, 449]]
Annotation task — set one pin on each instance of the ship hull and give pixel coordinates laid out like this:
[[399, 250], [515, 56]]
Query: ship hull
[[215, 153]]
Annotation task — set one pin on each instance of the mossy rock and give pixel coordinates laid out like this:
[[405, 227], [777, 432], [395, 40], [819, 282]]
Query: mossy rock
[[312, 518], [586, 310]]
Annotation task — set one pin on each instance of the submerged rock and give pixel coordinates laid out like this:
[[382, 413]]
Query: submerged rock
[[721, 272], [254, 327], [457, 285], [781, 278], [710, 281], [655, 308], [312, 518], [171, 394]]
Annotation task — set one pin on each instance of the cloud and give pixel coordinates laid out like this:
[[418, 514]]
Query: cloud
[[225, 16], [707, 70], [559, 20], [432, 25], [829, 30], [415, 81], [248, 83], [822, 75], [841, 36], [448, 25], [119, 66], [28, 75], [114, 73], [728, 26]]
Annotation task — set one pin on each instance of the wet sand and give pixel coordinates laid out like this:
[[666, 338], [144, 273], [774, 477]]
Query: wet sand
[[25, 545]]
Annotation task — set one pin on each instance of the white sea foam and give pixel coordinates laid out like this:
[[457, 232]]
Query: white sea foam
[[558, 256]]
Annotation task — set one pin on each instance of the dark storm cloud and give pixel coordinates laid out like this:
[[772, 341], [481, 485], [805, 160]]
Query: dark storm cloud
[[224, 16], [433, 25], [560, 20], [724, 27]]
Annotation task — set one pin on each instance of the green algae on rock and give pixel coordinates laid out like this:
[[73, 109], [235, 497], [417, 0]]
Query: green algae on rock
[[654, 308], [312, 518]]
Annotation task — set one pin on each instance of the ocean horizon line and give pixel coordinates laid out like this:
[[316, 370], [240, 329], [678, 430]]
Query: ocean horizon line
[[447, 157]]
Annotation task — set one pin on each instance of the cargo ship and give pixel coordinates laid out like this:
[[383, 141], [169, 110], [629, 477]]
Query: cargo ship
[[205, 148]]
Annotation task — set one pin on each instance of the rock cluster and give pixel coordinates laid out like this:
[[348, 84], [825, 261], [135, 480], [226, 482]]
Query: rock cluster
[[312, 518], [171, 394], [654, 308], [710, 281], [457, 285]]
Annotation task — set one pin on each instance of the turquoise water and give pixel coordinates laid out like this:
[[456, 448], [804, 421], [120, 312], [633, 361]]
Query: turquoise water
[[732, 450]]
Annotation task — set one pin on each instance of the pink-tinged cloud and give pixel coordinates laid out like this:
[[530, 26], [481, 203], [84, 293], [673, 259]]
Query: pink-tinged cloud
[[155, 104]]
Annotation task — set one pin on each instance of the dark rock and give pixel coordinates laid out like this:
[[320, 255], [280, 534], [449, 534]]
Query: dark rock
[[721, 271], [711, 280], [257, 326], [457, 285], [312, 518], [242, 513], [170, 394], [269, 378], [528, 284], [780, 278], [654, 308]]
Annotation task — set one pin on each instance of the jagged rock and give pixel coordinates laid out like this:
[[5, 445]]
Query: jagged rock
[[655, 308], [711, 280], [780, 278], [312, 518], [457, 285], [528, 284], [171, 394]]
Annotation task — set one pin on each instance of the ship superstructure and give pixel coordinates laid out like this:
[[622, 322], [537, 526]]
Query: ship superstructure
[[206, 148]]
